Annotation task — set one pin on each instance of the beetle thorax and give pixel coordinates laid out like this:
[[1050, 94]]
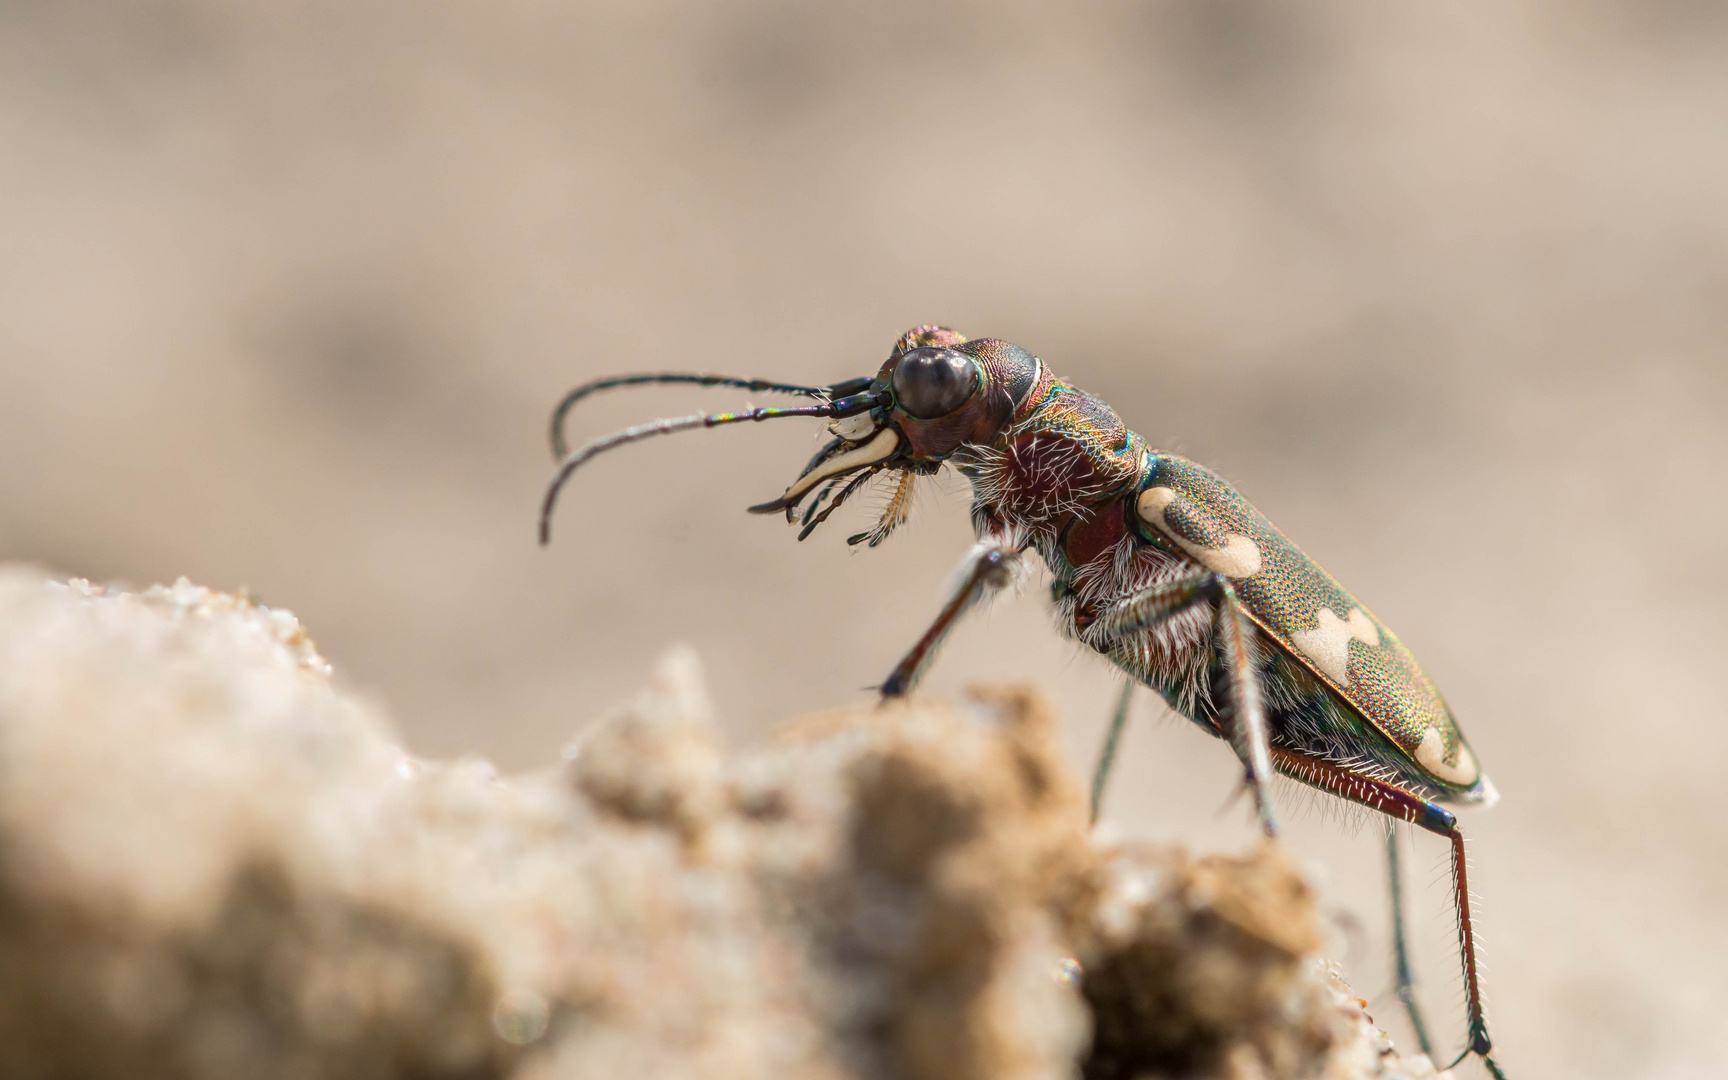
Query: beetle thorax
[[1041, 478], [1043, 487]]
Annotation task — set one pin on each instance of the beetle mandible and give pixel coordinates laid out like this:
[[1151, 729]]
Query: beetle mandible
[[1155, 562]]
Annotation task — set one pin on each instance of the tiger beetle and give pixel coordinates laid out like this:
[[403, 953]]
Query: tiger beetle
[[1156, 563]]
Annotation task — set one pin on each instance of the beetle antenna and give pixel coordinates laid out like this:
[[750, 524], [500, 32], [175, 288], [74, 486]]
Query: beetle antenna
[[561, 449], [840, 407]]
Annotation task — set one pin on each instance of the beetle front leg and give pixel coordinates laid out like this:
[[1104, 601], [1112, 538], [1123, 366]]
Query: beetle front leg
[[986, 569], [1241, 713]]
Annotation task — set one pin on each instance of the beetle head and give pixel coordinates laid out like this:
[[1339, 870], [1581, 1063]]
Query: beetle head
[[936, 394]]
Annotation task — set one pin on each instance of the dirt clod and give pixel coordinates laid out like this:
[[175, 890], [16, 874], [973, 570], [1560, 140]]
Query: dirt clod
[[215, 862]]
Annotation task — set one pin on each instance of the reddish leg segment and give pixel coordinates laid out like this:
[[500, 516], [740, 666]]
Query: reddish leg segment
[[1397, 803]]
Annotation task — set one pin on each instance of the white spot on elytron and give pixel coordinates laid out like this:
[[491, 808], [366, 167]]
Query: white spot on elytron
[[1238, 558], [868, 454], [853, 428], [1328, 644], [1431, 755]]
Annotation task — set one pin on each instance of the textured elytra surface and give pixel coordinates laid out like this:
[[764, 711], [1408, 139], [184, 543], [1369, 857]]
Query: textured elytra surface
[[214, 862], [1300, 604]]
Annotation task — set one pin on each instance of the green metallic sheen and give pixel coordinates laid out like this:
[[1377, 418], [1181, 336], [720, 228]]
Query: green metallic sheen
[[1386, 686]]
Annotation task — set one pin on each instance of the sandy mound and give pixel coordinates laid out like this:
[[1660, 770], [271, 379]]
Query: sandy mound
[[214, 862]]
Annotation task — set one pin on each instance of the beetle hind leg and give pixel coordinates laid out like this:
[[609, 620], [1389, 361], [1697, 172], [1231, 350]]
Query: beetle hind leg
[[1395, 802], [1479, 1042]]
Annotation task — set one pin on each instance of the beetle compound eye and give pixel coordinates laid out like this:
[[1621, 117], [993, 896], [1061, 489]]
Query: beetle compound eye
[[934, 382]]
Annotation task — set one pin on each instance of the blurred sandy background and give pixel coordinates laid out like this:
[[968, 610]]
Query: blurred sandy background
[[286, 292]]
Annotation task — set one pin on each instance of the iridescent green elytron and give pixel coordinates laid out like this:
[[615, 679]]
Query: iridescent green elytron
[[1321, 626], [1156, 563]]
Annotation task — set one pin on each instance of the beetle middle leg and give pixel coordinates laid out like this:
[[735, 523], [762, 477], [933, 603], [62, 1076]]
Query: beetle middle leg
[[988, 567], [1112, 739], [1404, 980], [1241, 712]]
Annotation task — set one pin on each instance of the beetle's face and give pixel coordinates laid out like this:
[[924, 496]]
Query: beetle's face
[[929, 402], [937, 401], [933, 383], [923, 392]]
